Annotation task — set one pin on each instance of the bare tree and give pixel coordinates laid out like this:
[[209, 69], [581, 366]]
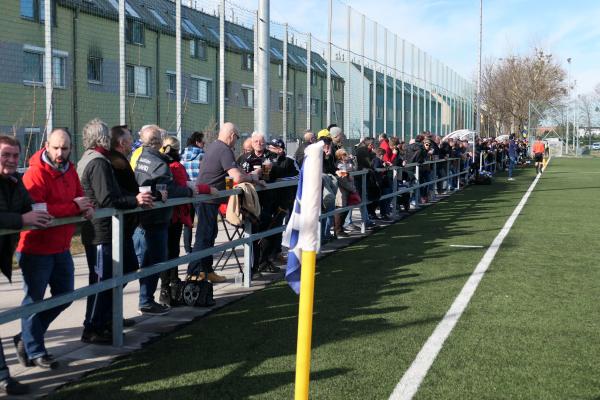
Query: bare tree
[[510, 84], [588, 107]]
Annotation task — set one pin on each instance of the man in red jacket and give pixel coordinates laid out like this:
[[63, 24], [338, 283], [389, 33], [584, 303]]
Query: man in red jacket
[[44, 255]]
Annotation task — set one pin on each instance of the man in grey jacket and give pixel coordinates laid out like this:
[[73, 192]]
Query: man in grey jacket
[[100, 185], [150, 238]]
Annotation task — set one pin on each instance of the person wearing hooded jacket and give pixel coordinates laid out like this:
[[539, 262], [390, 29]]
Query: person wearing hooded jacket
[[44, 255], [277, 203], [152, 169], [100, 185]]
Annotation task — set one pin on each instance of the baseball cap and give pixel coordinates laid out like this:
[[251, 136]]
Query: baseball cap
[[277, 143], [323, 133]]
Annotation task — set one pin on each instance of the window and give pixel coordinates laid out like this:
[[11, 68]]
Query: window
[[128, 9], [171, 83], [337, 85], [379, 111], [300, 101], [135, 32], [248, 62], [33, 68], [248, 97], [339, 112], [198, 49], [227, 90], [289, 102], [28, 9], [94, 71], [138, 80], [35, 10], [313, 79], [58, 71], [31, 142], [200, 89], [280, 71], [315, 108]]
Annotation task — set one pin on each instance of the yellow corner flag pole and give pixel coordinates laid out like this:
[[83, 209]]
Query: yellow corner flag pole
[[307, 291]]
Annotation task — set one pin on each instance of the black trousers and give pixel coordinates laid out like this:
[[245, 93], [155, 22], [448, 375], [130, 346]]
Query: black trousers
[[174, 236]]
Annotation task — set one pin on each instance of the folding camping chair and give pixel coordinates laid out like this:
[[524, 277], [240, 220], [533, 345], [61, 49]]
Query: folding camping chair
[[232, 232]]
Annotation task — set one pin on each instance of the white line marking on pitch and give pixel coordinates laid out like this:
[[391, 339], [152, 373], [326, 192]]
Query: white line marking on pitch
[[466, 246], [414, 375]]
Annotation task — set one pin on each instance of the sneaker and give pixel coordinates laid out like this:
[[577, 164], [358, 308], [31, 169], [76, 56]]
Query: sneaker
[[341, 234], [21, 353], [12, 387], [511, 179], [214, 278], [256, 275], [45, 362], [154, 309], [268, 267], [91, 336]]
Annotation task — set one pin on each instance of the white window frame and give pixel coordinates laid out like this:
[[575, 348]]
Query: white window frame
[[194, 98], [136, 69], [290, 95], [56, 54], [249, 96], [96, 81], [173, 74]]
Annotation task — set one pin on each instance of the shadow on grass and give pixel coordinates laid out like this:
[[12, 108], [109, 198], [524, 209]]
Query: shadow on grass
[[248, 348]]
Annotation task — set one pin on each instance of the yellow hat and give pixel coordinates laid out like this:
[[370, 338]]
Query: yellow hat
[[323, 133]]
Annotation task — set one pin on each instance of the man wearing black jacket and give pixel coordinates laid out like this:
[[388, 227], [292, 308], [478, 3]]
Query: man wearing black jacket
[[15, 213], [279, 202], [100, 186], [150, 237]]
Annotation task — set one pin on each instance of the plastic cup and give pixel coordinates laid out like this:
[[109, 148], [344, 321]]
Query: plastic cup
[[145, 189], [228, 183], [39, 207], [239, 279]]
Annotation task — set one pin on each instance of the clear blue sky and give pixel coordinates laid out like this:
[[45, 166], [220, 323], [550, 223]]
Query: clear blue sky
[[448, 29]]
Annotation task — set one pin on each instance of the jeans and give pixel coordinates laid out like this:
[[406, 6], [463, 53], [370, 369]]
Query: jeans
[[187, 233], [151, 248], [3, 368], [385, 206], [511, 165], [206, 233], [39, 271], [98, 310]]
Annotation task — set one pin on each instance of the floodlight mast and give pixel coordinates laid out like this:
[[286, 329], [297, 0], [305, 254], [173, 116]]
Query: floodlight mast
[[478, 112]]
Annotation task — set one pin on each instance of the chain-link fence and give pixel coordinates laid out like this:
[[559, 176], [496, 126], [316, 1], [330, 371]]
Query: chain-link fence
[[126, 70]]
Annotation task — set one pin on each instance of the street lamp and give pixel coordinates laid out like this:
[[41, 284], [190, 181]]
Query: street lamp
[[598, 111]]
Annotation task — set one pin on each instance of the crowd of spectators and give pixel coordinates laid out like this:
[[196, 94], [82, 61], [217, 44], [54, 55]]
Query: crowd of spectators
[[116, 172]]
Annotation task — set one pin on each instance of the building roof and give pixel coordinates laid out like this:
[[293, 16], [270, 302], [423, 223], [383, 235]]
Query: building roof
[[159, 15]]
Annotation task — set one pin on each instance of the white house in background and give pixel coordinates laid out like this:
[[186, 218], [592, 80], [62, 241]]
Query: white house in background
[[584, 132], [354, 83]]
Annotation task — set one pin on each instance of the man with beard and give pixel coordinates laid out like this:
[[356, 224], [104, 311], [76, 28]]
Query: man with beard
[[44, 255]]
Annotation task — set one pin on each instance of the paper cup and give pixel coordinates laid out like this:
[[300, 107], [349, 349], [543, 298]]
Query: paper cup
[[145, 189], [39, 207]]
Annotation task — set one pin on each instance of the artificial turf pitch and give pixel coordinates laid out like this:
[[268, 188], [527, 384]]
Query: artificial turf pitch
[[530, 331]]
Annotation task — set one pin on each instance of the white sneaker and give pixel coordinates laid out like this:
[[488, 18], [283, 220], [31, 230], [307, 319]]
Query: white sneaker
[[511, 179]]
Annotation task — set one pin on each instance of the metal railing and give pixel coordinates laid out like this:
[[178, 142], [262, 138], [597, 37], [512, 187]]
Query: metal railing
[[118, 279]]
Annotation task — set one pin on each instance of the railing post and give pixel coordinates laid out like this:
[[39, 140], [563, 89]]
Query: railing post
[[363, 204], [435, 178], [395, 187], [117, 271], [459, 171], [448, 179], [248, 254], [418, 191]]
